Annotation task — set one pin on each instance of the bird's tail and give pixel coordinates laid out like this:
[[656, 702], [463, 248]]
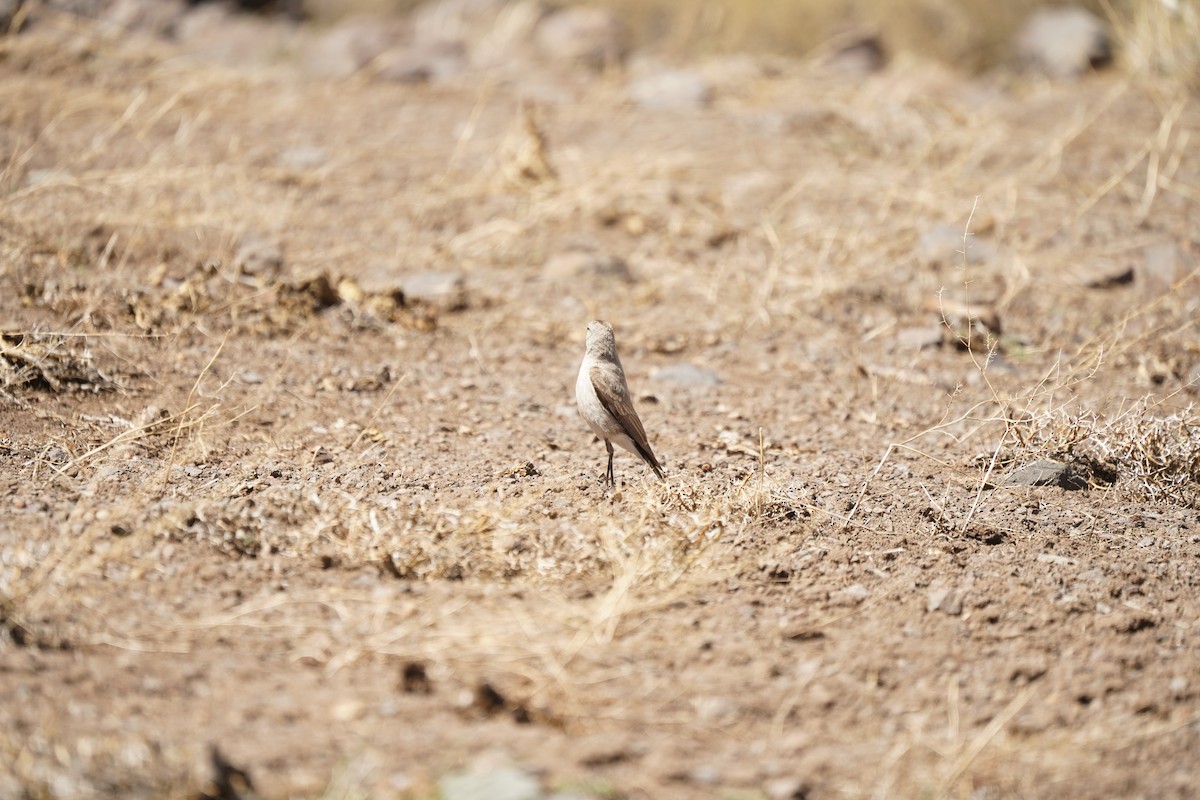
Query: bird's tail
[[650, 460]]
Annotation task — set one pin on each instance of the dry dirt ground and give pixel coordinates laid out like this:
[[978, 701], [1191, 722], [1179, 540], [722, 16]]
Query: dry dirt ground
[[267, 487]]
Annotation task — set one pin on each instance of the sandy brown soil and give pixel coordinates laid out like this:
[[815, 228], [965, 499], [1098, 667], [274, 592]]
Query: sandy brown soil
[[356, 537]]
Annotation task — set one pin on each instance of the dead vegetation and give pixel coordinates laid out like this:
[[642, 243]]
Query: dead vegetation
[[248, 495], [49, 363]]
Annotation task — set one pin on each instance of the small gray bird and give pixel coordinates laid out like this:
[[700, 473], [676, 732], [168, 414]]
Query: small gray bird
[[603, 398]]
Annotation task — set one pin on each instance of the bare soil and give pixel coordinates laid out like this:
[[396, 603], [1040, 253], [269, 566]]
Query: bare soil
[[356, 536]]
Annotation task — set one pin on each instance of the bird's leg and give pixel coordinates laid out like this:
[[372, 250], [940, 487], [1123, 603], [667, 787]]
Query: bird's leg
[[611, 481]]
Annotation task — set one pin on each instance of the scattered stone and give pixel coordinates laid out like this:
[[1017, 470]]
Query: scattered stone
[[1064, 42], [212, 31], [858, 56], [463, 21], [258, 253], [945, 600], [585, 263], [350, 46], [674, 90], [705, 774], [455, 19], [1109, 277], [447, 288], [348, 710], [688, 375], [423, 62], [942, 246], [303, 159], [1162, 265], [1054, 558], [156, 17], [919, 337], [850, 595], [748, 196], [497, 783], [1045, 473], [525, 469], [593, 37], [785, 789]]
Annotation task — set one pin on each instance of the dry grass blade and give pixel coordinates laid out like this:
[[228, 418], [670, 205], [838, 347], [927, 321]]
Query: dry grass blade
[[981, 740], [188, 406]]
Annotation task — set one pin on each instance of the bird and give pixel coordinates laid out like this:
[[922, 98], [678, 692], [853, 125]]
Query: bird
[[602, 395]]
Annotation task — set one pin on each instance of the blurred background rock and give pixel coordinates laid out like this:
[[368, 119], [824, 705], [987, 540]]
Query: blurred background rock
[[1062, 40]]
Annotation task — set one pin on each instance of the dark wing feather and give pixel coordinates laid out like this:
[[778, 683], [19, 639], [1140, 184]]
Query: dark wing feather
[[620, 406]]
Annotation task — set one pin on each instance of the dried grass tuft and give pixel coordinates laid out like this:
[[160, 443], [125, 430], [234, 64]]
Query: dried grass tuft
[[50, 363], [1158, 38], [1149, 455]]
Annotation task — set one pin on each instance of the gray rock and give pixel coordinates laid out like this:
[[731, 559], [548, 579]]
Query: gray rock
[[748, 196], [455, 20], [584, 263], [258, 253], [850, 595], [785, 789], [590, 36], [434, 285], [679, 89], [158, 17], [1063, 42], [858, 56], [350, 46], [942, 246], [1045, 473], [496, 33], [424, 61], [1162, 265], [302, 159], [919, 337], [705, 775], [688, 375], [213, 32], [1057, 560], [945, 600], [498, 783]]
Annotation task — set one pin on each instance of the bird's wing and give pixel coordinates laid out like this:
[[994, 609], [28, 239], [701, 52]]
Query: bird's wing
[[613, 394]]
